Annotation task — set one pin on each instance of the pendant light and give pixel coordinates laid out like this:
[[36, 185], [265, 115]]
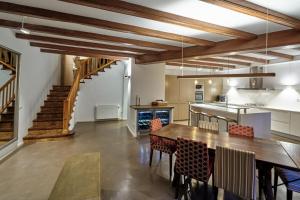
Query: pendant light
[[22, 29], [181, 56]]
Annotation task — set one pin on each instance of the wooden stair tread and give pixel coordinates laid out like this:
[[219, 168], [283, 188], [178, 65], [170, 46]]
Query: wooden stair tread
[[45, 128], [6, 136], [49, 135], [45, 120]]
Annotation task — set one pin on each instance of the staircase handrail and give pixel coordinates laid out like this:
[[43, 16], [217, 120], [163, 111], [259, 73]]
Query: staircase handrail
[[84, 70], [7, 93]]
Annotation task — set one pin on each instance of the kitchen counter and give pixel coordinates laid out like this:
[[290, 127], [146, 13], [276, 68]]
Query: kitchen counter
[[150, 107], [230, 108], [259, 119]]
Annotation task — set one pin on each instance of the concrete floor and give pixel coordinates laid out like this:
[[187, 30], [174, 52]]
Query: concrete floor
[[31, 172]]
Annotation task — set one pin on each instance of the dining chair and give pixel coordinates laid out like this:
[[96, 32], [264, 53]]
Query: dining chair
[[240, 130], [192, 162], [234, 171], [162, 145], [214, 126], [290, 178]]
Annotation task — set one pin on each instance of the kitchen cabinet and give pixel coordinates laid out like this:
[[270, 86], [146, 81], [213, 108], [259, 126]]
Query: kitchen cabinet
[[179, 92], [295, 124], [280, 121]]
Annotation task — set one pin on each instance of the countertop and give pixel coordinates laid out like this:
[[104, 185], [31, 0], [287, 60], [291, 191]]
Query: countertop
[[230, 109], [277, 108], [151, 107]]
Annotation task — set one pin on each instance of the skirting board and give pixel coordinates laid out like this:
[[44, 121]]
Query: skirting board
[[131, 131]]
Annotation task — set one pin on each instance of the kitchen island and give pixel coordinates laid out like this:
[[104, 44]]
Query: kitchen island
[[141, 115], [260, 120]]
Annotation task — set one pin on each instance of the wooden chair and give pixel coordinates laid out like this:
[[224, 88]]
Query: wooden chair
[[214, 126], [235, 171], [291, 179], [162, 145], [192, 162]]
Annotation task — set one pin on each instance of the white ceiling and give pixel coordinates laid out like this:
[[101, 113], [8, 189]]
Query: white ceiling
[[189, 8]]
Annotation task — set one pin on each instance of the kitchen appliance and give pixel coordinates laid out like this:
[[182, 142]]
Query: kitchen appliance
[[199, 93]]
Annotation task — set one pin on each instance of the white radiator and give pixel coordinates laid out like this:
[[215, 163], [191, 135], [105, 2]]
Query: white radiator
[[106, 112]]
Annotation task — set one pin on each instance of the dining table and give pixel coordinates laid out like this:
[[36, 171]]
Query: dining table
[[269, 153]]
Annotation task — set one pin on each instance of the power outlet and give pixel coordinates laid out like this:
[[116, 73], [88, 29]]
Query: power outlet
[[298, 100]]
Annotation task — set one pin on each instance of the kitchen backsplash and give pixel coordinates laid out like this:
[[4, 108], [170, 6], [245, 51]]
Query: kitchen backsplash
[[287, 98], [284, 90]]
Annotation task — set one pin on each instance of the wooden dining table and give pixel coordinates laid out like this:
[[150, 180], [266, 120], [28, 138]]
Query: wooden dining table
[[269, 153]]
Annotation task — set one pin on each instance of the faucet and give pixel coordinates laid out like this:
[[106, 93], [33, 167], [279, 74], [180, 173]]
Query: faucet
[[226, 98]]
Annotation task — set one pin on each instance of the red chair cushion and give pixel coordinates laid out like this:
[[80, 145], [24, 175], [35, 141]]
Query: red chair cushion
[[235, 129]]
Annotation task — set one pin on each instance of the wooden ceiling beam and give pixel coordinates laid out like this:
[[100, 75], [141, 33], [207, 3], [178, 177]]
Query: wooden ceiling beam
[[246, 75], [177, 64], [85, 35], [98, 23], [157, 15], [75, 53], [209, 64], [249, 58], [276, 54], [79, 43], [83, 50], [224, 48], [255, 10], [225, 61]]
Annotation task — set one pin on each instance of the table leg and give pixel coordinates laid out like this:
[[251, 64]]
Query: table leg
[[266, 172]]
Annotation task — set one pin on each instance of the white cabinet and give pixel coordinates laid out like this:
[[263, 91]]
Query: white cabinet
[[280, 121], [295, 124]]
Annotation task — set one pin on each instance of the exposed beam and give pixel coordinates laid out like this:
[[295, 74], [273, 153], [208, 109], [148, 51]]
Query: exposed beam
[[98, 23], [83, 50], [218, 60], [177, 64], [278, 55], [230, 75], [224, 48], [157, 15], [249, 58], [85, 35], [74, 53], [200, 64], [255, 10], [80, 43]]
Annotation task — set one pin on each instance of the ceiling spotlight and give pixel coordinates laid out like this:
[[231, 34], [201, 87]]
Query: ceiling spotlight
[[196, 82], [24, 30], [209, 81], [181, 67]]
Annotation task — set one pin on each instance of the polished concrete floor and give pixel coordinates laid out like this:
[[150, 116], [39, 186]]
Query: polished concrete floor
[[31, 172]]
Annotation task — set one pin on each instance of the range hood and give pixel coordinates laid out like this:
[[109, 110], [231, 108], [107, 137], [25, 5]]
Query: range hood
[[255, 83]]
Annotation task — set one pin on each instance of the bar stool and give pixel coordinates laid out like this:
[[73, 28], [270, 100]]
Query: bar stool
[[227, 120]]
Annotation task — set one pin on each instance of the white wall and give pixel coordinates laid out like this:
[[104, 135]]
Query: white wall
[[4, 76], [38, 72], [147, 82], [286, 85], [104, 89]]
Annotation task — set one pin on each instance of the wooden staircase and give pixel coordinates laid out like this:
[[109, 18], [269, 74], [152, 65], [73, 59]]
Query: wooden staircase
[[53, 119], [49, 121], [7, 123], [8, 62]]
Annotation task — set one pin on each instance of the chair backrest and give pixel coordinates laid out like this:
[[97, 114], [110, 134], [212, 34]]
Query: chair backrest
[[235, 129], [192, 159], [155, 124], [234, 171], [214, 126]]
